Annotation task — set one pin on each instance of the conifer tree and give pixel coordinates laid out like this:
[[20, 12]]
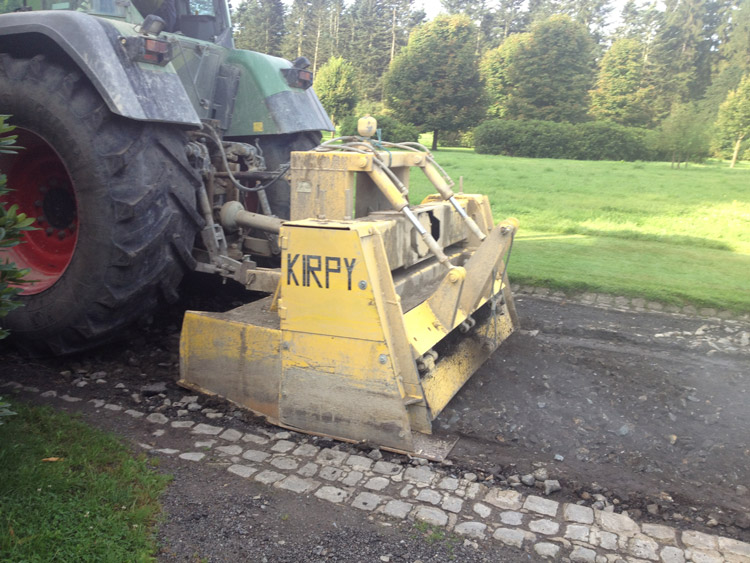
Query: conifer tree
[[259, 26]]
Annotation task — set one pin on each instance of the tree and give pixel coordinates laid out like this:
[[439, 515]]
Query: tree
[[497, 73], [682, 134], [336, 86], [639, 22], [733, 123], [685, 54], [259, 26], [734, 58], [481, 14], [545, 74], [375, 32], [510, 18], [309, 23], [7, 6], [434, 82], [621, 94], [590, 13]]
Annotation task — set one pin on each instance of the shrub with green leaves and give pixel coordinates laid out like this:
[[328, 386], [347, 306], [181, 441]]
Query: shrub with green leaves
[[529, 138], [463, 139], [4, 410], [605, 140], [12, 226], [594, 140]]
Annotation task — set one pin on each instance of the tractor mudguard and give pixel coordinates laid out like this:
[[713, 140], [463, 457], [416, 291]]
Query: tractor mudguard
[[134, 90], [266, 104]]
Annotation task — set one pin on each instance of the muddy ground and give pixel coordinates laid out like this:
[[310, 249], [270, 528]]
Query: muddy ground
[[652, 411], [649, 412]]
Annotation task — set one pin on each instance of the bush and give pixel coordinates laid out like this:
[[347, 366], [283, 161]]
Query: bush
[[390, 129], [368, 107], [604, 140], [457, 139], [12, 225], [596, 140], [532, 138]]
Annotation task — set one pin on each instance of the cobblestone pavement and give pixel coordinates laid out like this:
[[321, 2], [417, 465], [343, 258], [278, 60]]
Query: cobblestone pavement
[[414, 490]]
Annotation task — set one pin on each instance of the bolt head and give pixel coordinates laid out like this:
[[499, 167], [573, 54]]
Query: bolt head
[[362, 284], [383, 359]]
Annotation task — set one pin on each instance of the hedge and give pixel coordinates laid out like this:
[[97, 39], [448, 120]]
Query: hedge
[[593, 140]]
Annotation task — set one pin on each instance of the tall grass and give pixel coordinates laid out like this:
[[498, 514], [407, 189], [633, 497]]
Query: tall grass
[[638, 229]]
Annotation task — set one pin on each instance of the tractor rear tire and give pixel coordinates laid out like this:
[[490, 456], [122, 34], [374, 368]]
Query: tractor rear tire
[[277, 150], [115, 201]]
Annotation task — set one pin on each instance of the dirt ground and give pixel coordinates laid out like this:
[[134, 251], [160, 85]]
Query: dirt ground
[[649, 412], [639, 407]]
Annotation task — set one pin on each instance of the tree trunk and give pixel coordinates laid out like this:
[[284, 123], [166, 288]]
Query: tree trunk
[[393, 36], [736, 151], [301, 35], [336, 24], [317, 45], [434, 139]]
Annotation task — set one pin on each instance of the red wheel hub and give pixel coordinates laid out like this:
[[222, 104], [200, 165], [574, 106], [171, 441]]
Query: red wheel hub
[[42, 188]]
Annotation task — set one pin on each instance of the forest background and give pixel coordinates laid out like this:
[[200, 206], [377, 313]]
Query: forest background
[[665, 83]]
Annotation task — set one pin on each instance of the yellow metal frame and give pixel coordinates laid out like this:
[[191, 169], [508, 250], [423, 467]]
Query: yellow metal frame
[[334, 352]]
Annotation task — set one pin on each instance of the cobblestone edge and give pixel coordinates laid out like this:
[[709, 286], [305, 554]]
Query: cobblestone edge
[[630, 304], [550, 529]]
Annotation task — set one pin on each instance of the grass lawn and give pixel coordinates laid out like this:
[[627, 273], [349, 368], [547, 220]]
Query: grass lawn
[[69, 492], [627, 228]]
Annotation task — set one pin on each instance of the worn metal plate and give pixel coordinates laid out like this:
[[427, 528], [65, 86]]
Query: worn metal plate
[[431, 447]]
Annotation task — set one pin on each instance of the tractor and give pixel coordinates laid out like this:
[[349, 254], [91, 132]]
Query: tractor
[[154, 148]]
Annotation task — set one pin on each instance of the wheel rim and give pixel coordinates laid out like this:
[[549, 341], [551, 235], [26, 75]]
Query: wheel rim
[[42, 188]]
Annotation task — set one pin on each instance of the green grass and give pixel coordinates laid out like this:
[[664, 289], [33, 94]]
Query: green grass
[[629, 228], [97, 503]]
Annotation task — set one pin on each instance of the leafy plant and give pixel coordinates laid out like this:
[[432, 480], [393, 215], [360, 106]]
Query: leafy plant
[[12, 226], [733, 123], [4, 410], [434, 83], [336, 86], [594, 140]]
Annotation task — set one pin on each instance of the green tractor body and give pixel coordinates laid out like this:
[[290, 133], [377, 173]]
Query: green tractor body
[[199, 75]]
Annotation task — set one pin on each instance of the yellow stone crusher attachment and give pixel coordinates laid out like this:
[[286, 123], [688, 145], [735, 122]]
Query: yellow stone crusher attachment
[[381, 313]]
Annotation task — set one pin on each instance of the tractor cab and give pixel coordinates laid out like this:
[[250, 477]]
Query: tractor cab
[[206, 20]]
